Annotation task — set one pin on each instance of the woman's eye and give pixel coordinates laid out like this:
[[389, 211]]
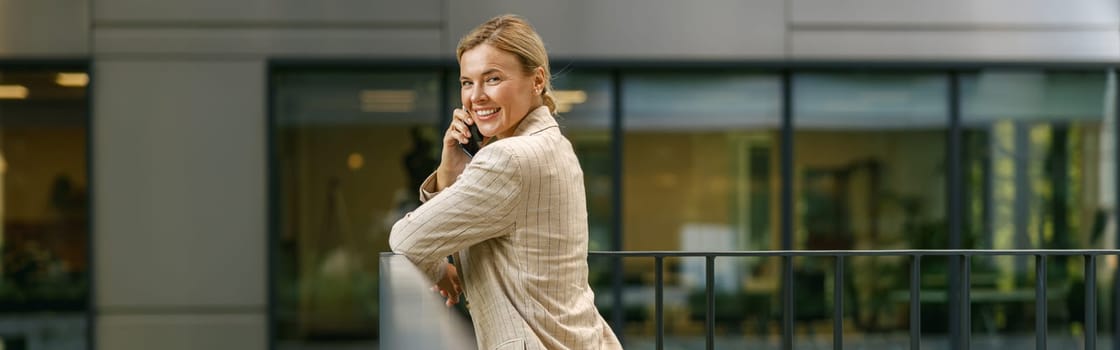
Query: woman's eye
[[492, 79], [464, 83]]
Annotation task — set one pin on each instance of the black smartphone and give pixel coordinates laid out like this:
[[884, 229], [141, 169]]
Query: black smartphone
[[475, 143]]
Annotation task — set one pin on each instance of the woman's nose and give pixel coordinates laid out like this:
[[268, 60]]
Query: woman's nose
[[477, 94]]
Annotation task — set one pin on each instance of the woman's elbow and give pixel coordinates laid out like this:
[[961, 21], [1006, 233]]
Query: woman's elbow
[[397, 241], [404, 239]]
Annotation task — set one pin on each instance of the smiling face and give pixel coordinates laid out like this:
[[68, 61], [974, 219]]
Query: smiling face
[[495, 89]]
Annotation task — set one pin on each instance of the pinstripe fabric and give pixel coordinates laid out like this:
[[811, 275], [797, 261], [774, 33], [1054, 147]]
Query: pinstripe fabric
[[517, 217]]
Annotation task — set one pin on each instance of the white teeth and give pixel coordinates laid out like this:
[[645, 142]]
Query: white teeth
[[485, 112]]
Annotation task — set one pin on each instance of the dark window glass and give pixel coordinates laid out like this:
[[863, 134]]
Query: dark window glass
[[44, 203], [351, 151], [869, 173], [700, 174], [1038, 174]]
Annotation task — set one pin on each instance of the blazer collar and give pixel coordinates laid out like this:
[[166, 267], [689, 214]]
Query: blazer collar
[[536, 121]]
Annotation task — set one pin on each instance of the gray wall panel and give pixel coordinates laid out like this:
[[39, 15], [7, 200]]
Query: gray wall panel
[[339, 42], [956, 12], [181, 332], [44, 28], [641, 29], [249, 12], [957, 45], [179, 183]]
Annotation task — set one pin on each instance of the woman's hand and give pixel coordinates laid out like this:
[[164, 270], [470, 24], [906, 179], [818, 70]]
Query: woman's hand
[[454, 160], [449, 287]]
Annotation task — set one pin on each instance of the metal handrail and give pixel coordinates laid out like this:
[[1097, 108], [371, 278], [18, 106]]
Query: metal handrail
[[964, 256], [411, 315]]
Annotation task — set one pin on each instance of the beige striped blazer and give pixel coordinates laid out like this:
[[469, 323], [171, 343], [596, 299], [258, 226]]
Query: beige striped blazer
[[517, 219]]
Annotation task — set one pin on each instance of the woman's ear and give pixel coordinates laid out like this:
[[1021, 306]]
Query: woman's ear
[[538, 79]]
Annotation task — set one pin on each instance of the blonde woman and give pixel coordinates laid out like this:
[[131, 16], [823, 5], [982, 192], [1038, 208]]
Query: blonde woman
[[515, 214]]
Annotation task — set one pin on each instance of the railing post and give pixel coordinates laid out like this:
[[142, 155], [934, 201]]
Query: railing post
[[618, 321], [709, 269], [966, 302], [659, 300], [953, 293], [1090, 302], [618, 318], [915, 302], [1040, 302], [787, 302], [838, 305]]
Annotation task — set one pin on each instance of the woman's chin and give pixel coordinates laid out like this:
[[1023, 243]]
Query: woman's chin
[[487, 131]]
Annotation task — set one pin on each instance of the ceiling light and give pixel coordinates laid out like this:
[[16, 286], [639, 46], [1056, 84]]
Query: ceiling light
[[355, 161], [17, 92], [72, 79], [400, 101]]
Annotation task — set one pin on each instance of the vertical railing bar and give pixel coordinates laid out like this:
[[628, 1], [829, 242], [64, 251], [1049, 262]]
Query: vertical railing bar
[[1090, 302], [618, 319], [709, 270], [787, 302], [953, 293], [1116, 277], [915, 302], [787, 202], [838, 305], [659, 300], [966, 302], [954, 205], [1040, 302]]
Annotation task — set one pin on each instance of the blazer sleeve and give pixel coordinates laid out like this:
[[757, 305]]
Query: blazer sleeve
[[428, 188], [477, 207]]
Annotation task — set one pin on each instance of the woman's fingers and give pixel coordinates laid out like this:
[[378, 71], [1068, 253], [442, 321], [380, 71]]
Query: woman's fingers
[[462, 120], [458, 130]]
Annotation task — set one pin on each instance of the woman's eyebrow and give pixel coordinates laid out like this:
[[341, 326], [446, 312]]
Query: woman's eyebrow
[[487, 72]]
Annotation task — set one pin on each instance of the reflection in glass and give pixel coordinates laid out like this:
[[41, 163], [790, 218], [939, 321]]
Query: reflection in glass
[[351, 151], [870, 174], [1037, 176], [44, 203], [700, 170]]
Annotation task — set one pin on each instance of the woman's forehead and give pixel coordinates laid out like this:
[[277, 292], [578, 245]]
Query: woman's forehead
[[484, 59]]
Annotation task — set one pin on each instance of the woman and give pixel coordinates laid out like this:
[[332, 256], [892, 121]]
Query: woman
[[515, 214]]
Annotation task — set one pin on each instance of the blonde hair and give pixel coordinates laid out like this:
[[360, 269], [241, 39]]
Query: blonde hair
[[513, 34]]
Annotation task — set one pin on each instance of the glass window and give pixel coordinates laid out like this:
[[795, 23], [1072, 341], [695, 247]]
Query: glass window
[[700, 174], [583, 102], [869, 173], [44, 203], [584, 105], [351, 151], [1037, 175]]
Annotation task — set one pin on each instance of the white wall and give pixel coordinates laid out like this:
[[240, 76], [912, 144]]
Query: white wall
[[1041, 30], [179, 106], [1009, 30], [179, 192], [927, 30], [640, 29], [44, 28], [179, 154]]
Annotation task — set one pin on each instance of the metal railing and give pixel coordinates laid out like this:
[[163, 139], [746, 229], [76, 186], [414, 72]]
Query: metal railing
[[411, 315], [960, 259]]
